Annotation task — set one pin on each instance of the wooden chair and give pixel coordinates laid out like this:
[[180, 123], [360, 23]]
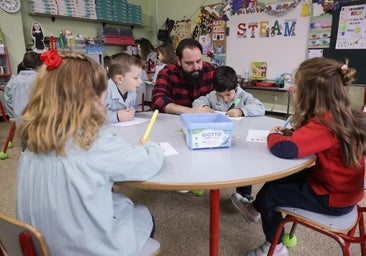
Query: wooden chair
[[9, 139], [19, 238], [341, 228]]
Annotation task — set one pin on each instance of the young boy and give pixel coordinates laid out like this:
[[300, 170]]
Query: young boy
[[125, 77], [226, 91]]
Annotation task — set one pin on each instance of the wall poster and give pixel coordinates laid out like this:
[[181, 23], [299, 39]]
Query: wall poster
[[212, 34], [352, 27]]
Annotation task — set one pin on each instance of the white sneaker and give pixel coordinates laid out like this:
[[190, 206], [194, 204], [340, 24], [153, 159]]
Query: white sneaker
[[245, 208], [183, 191], [281, 250]]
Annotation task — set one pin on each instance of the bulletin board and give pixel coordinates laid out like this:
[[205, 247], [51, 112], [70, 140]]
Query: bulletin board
[[356, 57], [283, 53]]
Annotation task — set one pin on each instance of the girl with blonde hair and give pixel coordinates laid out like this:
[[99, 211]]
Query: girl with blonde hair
[[70, 162]]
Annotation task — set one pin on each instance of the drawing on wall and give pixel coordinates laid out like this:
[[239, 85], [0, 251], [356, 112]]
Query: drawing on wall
[[212, 30], [320, 32], [258, 70], [352, 27], [205, 41], [182, 29]]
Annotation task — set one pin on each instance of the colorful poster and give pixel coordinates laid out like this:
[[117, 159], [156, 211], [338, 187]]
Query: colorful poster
[[352, 27], [320, 32]]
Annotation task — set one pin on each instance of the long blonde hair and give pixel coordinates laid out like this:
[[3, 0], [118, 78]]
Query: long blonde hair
[[321, 89], [65, 104]]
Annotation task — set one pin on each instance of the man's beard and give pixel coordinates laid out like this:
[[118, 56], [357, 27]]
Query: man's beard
[[193, 77]]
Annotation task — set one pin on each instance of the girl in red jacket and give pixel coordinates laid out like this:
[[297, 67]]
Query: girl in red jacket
[[324, 124]]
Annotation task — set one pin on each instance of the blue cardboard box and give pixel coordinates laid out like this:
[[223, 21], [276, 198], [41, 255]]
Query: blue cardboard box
[[211, 130]]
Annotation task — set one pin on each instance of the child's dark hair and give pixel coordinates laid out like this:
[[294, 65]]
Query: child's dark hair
[[31, 60], [225, 79], [189, 43]]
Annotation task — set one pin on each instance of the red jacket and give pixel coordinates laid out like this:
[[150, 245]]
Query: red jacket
[[329, 175]]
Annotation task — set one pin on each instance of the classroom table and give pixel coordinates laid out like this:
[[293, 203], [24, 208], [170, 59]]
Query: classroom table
[[244, 163]]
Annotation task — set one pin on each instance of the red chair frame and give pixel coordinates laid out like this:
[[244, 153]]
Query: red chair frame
[[343, 239]]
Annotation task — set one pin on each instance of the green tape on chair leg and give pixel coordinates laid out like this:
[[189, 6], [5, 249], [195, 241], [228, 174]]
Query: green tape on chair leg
[[289, 242], [3, 155], [197, 192]]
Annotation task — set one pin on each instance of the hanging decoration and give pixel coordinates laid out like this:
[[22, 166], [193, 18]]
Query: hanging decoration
[[239, 7], [211, 33], [330, 5], [306, 9]]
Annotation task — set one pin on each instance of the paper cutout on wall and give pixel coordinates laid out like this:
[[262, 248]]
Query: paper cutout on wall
[[266, 28]]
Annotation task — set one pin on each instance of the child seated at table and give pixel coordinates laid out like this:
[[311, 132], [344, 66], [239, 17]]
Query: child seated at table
[[166, 55], [70, 163], [226, 91], [125, 77], [325, 124]]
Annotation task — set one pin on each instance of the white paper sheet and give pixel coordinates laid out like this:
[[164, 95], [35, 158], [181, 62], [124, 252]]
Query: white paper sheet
[[134, 121], [257, 136], [232, 118], [168, 149]]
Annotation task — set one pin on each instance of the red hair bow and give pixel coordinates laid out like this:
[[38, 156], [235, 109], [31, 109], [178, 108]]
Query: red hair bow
[[51, 59]]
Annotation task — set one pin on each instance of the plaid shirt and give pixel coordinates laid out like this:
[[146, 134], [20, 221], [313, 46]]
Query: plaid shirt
[[171, 87]]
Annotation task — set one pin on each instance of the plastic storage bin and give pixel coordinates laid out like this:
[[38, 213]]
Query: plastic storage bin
[[207, 130]]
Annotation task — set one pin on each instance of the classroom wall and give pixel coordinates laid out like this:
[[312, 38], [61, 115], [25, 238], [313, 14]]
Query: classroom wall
[[17, 27], [283, 53], [12, 27]]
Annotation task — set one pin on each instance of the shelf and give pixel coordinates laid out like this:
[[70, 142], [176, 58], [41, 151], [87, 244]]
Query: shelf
[[103, 22]]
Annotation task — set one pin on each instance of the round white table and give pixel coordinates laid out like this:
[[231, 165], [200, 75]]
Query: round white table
[[244, 163]]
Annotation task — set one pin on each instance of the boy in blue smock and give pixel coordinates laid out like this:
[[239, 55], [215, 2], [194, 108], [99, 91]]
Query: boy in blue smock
[[125, 77], [226, 92]]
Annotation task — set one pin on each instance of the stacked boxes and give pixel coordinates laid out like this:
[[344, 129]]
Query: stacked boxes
[[72, 8], [120, 11], [134, 14], [67, 8], [104, 9], [118, 36], [47, 7], [87, 9]]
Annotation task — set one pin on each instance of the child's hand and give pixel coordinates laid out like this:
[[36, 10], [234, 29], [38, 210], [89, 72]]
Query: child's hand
[[203, 109], [142, 141], [235, 112], [282, 130], [125, 115]]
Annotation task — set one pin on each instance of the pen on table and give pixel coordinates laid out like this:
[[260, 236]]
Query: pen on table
[[288, 120], [151, 124], [235, 103]]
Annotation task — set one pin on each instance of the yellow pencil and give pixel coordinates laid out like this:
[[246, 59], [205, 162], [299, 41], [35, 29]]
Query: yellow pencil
[[151, 124]]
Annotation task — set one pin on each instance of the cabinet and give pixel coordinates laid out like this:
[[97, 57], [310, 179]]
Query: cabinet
[[276, 100], [5, 68]]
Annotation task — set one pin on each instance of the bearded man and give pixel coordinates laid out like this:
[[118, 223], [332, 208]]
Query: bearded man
[[178, 85]]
